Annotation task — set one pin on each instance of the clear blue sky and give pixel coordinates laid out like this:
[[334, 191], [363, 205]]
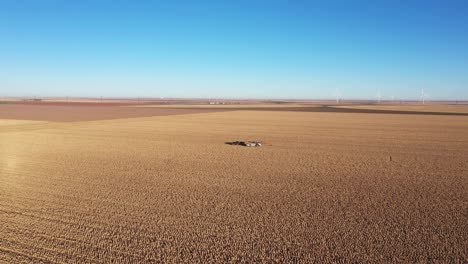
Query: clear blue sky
[[240, 49]]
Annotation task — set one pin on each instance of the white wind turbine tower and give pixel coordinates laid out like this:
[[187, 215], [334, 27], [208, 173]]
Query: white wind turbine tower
[[379, 97], [338, 96], [423, 96]]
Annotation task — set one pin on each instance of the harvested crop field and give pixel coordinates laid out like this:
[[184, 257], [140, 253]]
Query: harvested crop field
[[443, 108], [73, 112], [327, 108], [334, 187]]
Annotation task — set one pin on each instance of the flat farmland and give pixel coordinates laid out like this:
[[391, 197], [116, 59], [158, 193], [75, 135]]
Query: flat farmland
[[74, 112], [443, 108], [324, 187]]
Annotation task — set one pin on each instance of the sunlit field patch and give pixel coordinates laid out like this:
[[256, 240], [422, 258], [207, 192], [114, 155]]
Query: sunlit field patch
[[324, 187]]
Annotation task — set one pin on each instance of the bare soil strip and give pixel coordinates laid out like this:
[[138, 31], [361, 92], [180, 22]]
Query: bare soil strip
[[331, 109]]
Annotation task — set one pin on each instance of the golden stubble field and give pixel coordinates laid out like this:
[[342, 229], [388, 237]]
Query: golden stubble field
[[326, 187]]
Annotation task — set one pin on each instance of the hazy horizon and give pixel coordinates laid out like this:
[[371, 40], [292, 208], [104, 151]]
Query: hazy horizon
[[154, 98], [237, 50]]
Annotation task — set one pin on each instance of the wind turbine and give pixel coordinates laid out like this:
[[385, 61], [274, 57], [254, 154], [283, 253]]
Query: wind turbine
[[338, 96], [423, 96], [379, 97]]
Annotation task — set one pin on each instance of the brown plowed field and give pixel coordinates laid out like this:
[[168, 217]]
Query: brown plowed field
[[73, 112], [326, 187], [461, 110], [444, 108]]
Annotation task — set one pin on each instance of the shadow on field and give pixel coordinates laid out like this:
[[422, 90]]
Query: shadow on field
[[332, 109]]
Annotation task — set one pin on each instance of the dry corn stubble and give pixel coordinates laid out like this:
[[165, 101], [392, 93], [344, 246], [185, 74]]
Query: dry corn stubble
[[169, 189]]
